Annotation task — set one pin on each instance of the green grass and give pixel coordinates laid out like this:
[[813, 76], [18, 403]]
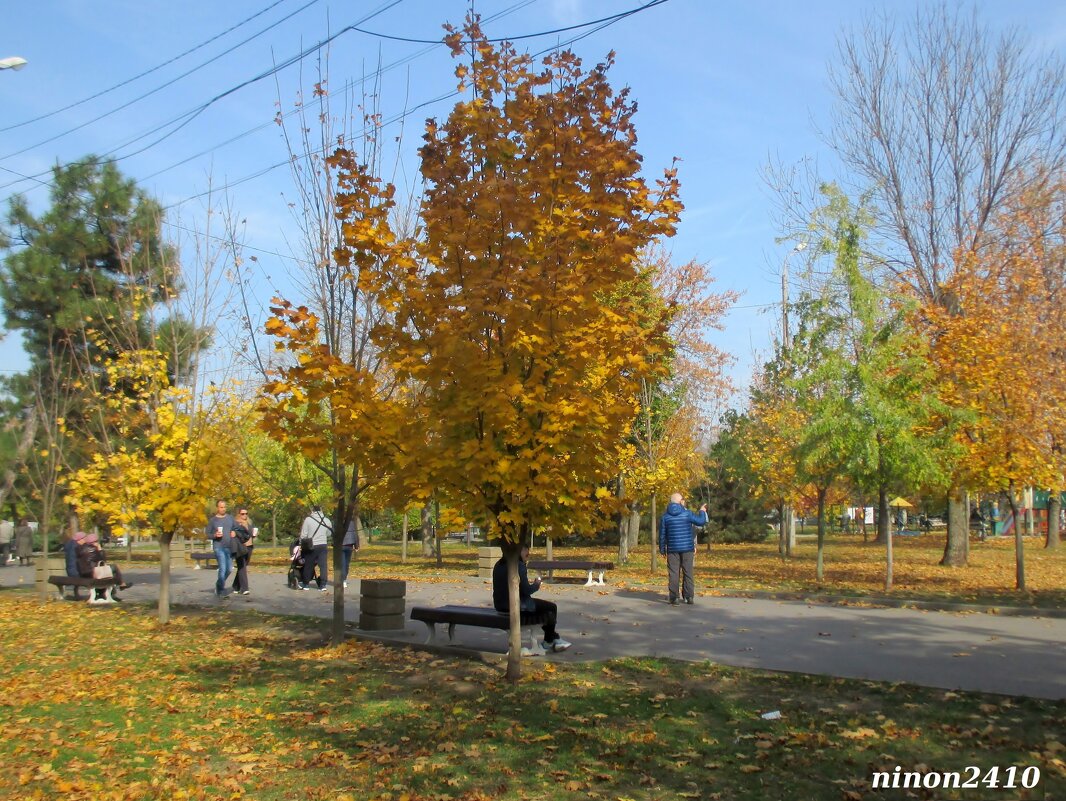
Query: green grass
[[234, 704]]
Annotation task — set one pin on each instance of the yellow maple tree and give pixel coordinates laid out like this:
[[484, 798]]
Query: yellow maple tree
[[166, 454]]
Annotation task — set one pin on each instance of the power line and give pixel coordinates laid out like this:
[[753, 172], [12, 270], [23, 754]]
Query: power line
[[347, 86], [184, 119], [613, 18], [405, 114], [156, 68], [162, 86]]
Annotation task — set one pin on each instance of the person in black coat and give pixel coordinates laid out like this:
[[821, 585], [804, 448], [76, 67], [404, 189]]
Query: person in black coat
[[501, 599]]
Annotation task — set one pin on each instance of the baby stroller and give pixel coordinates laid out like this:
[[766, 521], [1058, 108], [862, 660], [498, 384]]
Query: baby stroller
[[296, 564]]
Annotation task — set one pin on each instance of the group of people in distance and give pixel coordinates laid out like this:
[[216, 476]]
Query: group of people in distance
[[677, 542], [233, 540], [19, 538], [311, 550]]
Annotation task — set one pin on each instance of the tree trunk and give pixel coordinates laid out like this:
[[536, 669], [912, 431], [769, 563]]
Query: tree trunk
[[336, 629], [958, 535], [403, 539], [820, 561], [623, 537], [165, 538], [427, 531], [888, 562], [514, 652], [654, 533], [436, 533], [548, 547], [1054, 506], [883, 521], [1019, 550], [634, 527]]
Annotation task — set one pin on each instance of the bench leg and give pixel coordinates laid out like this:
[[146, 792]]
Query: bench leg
[[196, 565], [600, 582], [431, 634], [590, 581], [534, 648]]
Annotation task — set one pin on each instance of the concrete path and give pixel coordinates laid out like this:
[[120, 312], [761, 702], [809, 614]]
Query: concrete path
[[1013, 655]]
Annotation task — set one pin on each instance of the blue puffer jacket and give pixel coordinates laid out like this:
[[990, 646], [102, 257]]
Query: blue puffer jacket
[[675, 529]]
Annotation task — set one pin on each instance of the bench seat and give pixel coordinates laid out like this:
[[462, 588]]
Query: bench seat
[[201, 556], [590, 567], [92, 584], [485, 617]]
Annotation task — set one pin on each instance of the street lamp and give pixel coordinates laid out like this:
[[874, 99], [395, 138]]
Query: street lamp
[[800, 246], [12, 63]]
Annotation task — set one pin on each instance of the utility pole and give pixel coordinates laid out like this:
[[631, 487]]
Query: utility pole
[[788, 520]]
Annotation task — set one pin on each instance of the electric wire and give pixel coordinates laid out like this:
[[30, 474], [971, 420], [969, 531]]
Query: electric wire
[[146, 73], [162, 86], [613, 18], [404, 114]]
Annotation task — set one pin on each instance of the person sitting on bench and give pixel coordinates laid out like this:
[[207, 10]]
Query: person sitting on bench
[[90, 554], [501, 599], [70, 553]]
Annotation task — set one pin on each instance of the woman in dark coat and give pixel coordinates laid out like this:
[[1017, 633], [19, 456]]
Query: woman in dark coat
[[24, 542], [242, 527], [90, 554]]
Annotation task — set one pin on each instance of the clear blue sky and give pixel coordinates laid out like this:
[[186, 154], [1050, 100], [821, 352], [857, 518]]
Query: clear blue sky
[[724, 86]]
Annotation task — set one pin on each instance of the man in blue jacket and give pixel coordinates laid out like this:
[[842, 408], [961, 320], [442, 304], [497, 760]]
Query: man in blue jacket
[[677, 542]]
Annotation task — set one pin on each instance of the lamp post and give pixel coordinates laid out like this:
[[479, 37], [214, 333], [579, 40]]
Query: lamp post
[[800, 246], [788, 524], [12, 63]]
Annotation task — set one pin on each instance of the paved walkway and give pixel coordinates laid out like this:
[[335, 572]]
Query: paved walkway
[[993, 653]]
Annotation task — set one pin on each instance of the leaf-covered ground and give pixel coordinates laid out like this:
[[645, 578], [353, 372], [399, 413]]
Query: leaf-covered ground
[[106, 704], [851, 568]]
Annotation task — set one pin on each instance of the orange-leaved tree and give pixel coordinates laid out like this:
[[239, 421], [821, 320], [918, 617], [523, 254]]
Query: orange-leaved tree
[[998, 345], [678, 398], [527, 371]]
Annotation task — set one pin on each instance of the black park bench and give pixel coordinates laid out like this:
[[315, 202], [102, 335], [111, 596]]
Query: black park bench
[[108, 585], [590, 567], [201, 558], [482, 616]]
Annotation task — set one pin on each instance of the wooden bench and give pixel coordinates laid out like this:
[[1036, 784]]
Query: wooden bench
[[482, 616], [108, 585], [551, 565], [202, 556]]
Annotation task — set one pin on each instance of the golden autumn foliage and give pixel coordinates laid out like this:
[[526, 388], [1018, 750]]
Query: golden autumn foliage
[[164, 460], [526, 363], [998, 344]]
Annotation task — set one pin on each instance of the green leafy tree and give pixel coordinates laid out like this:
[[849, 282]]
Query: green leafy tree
[[94, 261]]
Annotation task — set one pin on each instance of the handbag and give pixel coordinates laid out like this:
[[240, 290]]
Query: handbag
[[103, 572], [242, 549]]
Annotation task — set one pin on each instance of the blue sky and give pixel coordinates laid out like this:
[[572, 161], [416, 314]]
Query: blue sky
[[723, 86]]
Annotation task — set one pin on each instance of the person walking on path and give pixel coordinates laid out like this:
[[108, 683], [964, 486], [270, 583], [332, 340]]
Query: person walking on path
[[219, 531], [501, 599], [24, 542], [7, 531], [316, 531], [678, 543], [349, 547], [242, 528]]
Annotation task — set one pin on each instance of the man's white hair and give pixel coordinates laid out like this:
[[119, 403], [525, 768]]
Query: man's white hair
[[677, 497]]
